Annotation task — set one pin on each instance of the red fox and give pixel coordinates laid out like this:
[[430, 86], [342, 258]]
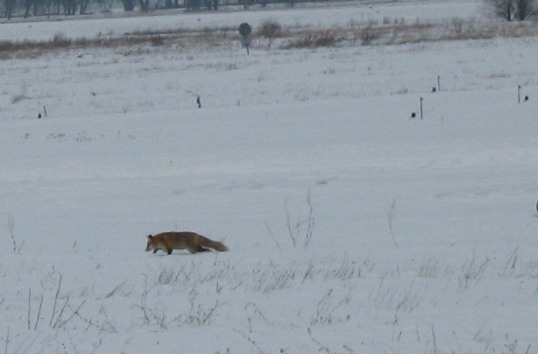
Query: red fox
[[191, 241]]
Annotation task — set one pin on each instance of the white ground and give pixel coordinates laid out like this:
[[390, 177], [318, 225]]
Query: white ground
[[352, 228]]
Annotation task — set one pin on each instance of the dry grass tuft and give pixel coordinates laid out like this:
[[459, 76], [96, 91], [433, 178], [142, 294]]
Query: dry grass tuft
[[270, 29], [313, 40]]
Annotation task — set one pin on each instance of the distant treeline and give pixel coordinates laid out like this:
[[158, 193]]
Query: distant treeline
[[32, 8]]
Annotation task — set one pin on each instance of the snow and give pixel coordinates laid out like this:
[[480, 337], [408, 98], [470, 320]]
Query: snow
[[352, 228]]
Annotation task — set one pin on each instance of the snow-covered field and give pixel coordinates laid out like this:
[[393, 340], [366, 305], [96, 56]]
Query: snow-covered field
[[352, 228]]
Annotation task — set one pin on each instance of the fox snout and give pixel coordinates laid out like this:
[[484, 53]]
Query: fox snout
[[148, 246]]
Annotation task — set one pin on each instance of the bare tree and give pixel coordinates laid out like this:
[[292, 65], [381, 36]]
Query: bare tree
[[83, 6], [70, 7], [10, 7], [128, 5], [511, 10], [144, 5], [525, 9], [503, 8]]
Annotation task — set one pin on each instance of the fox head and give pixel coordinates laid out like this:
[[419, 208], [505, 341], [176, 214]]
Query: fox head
[[150, 245]]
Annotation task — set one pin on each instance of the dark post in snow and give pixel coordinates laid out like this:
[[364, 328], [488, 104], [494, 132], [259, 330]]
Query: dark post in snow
[[421, 114], [39, 116], [438, 88], [525, 99], [245, 30]]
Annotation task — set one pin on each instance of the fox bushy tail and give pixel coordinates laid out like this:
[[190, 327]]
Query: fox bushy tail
[[216, 245]]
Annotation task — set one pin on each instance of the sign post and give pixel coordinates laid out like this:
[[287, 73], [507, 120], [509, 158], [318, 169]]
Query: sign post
[[245, 30]]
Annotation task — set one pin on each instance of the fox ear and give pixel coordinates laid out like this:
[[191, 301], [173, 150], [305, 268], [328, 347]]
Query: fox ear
[[150, 236]]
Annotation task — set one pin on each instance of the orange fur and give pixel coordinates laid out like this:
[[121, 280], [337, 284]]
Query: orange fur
[[191, 241]]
